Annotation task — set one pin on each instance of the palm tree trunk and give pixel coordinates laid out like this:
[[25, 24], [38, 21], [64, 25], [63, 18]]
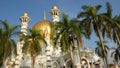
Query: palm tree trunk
[[102, 45], [79, 53], [3, 64], [106, 62], [80, 44], [4, 56], [71, 48], [32, 60], [71, 53], [117, 36], [4, 61], [32, 57]]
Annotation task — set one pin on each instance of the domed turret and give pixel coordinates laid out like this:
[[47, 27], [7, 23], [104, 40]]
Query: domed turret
[[55, 12]]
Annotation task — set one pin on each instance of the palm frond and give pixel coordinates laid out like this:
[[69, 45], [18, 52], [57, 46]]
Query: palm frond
[[109, 10], [98, 7]]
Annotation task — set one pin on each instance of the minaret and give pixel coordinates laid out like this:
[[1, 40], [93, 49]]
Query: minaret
[[25, 20], [55, 12]]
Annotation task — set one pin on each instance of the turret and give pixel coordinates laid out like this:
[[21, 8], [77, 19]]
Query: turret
[[55, 12], [18, 59], [24, 20]]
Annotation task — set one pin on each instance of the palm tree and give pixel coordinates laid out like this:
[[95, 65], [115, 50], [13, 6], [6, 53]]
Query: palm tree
[[63, 27], [115, 29], [32, 44], [98, 49], [93, 20], [7, 43], [106, 30], [112, 26], [116, 54], [69, 30], [66, 40]]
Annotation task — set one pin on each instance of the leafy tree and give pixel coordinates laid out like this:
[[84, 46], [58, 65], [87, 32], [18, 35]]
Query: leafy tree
[[93, 20], [98, 49], [32, 44], [69, 30], [6, 41], [115, 29], [112, 26]]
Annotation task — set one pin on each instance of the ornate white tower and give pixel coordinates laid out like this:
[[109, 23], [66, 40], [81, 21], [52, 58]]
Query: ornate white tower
[[24, 19], [55, 12]]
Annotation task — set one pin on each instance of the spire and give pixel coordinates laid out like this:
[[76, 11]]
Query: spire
[[44, 15]]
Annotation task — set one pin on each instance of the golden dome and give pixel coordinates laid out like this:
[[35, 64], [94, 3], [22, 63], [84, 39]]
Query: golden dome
[[43, 26]]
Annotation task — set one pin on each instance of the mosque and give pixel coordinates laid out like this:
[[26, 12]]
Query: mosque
[[52, 57]]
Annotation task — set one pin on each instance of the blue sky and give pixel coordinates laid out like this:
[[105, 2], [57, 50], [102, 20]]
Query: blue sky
[[11, 10]]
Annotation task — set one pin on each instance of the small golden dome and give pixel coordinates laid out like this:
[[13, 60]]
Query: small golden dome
[[54, 7], [43, 26], [25, 14]]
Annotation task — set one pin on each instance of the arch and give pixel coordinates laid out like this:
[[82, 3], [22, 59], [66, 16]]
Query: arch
[[69, 63], [57, 65], [67, 60], [83, 59]]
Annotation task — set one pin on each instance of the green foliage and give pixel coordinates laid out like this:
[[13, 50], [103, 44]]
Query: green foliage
[[32, 42], [116, 54], [69, 30], [98, 49], [7, 44], [98, 22]]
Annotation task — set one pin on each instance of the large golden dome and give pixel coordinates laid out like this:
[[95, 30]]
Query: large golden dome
[[43, 26]]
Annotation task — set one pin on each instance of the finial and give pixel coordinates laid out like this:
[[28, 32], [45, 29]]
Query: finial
[[25, 14], [44, 15], [25, 17], [54, 7]]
